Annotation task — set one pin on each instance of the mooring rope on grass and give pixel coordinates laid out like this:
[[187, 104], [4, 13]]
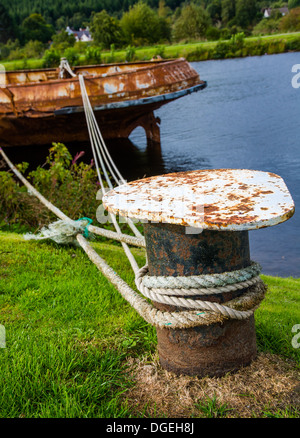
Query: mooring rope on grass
[[182, 319], [146, 310], [109, 234], [166, 290]]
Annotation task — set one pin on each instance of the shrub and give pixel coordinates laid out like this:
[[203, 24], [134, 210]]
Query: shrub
[[93, 55], [192, 23], [293, 44], [51, 58], [221, 50], [67, 183], [17, 53], [160, 51], [34, 49], [62, 40], [141, 25], [213, 34], [106, 30], [71, 55], [130, 54]]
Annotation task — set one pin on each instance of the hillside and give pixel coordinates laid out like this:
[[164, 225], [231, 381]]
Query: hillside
[[75, 13]]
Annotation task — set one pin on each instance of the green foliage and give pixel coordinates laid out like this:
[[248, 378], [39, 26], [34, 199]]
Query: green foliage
[[230, 49], [214, 9], [141, 25], [130, 54], [6, 25], [245, 12], [213, 34], [92, 55], [147, 22], [160, 51], [69, 184], [293, 4], [192, 23], [51, 58], [211, 408], [228, 11], [35, 27], [106, 30], [72, 56], [291, 21], [266, 26], [34, 49], [7, 48], [62, 40]]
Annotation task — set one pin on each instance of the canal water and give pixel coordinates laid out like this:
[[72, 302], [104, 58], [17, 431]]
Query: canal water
[[248, 117]]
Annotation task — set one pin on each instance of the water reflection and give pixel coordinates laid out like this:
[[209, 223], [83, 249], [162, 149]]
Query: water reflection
[[247, 117], [134, 160]]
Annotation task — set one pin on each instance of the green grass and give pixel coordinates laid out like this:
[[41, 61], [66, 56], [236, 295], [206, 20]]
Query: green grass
[[193, 51], [20, 64], [277, 316], [69, 332]]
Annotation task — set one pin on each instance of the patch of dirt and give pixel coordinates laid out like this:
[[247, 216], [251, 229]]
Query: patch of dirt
[[270, 386]]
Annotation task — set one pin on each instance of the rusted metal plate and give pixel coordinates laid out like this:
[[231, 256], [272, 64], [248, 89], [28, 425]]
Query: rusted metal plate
[[36, 107], [221, 199], [42, 91]]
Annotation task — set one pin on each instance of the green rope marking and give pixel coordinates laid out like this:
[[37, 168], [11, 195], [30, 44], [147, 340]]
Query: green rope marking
[[85, 231]]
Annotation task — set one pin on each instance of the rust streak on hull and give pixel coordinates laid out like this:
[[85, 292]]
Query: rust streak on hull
[[36, 107]]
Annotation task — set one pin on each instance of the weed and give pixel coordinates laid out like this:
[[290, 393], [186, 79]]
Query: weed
[[211, 408]]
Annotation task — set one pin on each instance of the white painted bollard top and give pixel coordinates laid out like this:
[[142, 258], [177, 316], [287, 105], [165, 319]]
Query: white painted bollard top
[[220, 199]]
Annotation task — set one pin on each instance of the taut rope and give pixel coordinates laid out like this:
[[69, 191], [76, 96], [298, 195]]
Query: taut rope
[[167, 290]]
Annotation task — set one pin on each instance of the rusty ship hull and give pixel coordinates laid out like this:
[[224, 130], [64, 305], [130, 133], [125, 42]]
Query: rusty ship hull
[[37, 107]]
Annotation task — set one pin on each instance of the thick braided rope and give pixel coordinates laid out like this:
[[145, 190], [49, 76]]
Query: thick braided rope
[[177, 286], [159, 295], [202, 281], [183, 319]]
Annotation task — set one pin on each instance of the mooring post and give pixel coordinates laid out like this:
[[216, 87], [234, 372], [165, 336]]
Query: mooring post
[[196, 224]]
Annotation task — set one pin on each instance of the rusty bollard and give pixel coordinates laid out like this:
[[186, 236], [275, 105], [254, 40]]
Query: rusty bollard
[[196, 224]]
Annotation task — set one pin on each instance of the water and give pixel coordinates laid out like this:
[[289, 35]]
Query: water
[[247, 117]]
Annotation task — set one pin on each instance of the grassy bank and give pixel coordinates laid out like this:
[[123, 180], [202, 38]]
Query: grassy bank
[[75, 348], [192, 51]]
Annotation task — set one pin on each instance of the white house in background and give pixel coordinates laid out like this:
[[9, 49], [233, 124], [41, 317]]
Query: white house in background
[[268, 11], [81, 34]]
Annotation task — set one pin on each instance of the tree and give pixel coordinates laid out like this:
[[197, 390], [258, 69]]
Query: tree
[[6, 25], [293, 4], [62, 40], [36, 28], [192, 23], [34, 49], [141, 25], [106, 30], [163, 10], [245, 13], [77, 21], [214, 9], [266, 26], [228, 10], [291, 21]]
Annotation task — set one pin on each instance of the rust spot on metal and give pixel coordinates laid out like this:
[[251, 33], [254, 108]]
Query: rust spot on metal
[[220, 199], [120, 92]]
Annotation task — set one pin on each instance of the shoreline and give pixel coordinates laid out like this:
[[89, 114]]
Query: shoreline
[[237, 47]]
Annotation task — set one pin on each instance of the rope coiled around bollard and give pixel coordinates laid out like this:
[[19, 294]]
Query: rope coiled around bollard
[[174, 289]]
